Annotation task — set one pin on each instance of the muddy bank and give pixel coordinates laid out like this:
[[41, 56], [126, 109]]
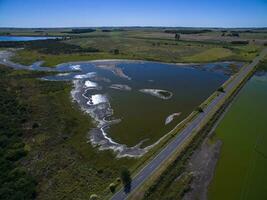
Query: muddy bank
[[202, 164], [99, 108], [112, 66]]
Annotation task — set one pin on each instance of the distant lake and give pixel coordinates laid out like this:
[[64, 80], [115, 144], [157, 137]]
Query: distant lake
[[23, 38]]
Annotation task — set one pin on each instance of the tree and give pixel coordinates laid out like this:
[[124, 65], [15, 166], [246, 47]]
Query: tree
[[177, 36], [116, 51], [220, 89], [199, 109], [93, 197], [126, 179], [118, 180], [112, 187], [35, 125]]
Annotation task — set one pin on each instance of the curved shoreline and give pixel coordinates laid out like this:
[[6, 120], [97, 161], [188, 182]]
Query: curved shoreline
[[97, 136], [145, 61], [12, 50]]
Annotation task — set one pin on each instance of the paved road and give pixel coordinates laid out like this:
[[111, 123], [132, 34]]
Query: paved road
[[160, 158]]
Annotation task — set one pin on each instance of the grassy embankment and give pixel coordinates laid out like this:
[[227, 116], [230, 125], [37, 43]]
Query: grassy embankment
[[244, 145]]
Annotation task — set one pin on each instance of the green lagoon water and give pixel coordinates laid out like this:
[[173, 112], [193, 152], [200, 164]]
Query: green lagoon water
[[241, 172], [143, 116], [126, 118]]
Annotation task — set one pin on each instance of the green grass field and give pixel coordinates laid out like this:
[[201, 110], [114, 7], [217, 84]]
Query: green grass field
[[241, 171], [142, 44], [212, 54]]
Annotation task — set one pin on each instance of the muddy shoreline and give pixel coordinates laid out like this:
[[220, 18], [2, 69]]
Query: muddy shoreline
[[202, 165]]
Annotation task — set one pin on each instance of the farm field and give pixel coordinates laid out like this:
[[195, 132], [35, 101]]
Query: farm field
[[154, 44], [241, 169]]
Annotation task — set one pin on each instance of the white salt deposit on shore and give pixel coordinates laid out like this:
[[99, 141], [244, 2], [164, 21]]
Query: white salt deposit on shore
[[90, 84], [63, 74], [97, 99], [75, 67], [83, 76]]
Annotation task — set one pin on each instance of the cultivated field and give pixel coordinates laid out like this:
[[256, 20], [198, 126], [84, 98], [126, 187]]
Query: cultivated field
[[241, 173], [146, 44]]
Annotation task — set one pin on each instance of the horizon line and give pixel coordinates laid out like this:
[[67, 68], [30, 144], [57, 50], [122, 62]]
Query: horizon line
[[136, 26]]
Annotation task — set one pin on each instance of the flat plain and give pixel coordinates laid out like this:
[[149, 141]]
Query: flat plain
[[59, 157]]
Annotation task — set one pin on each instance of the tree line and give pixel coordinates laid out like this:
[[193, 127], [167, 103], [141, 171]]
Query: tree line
[[15, 181], [50, 46]]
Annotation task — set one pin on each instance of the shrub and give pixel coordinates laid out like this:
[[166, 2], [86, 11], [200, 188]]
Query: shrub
[[240, 42], [35, 125], [93, 197], [220, 89], [199, 109], [177, 36], [118, 180], [112, 187], [116, 51], [125, 176]]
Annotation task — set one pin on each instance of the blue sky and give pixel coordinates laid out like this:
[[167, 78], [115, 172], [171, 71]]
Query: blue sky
[[82, 13]]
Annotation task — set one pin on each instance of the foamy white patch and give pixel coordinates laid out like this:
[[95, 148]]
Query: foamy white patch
[[171, 117], [83, 76], [97, 99], [63, 74], [90, 84], [162, 94], [76, 67]]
